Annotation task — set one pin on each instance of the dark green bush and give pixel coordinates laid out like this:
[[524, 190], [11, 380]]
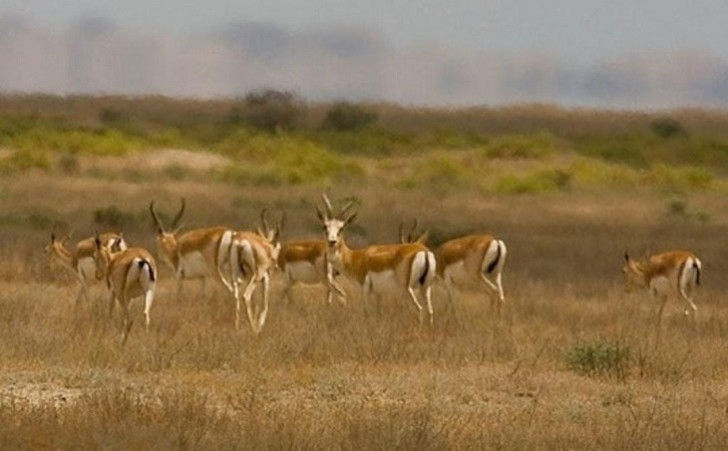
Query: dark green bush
[[271, 110], [667, 128], [347, 117]]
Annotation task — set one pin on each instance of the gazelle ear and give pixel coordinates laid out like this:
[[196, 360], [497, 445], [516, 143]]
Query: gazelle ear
[[53, 237], [97, 240], [626, 255]]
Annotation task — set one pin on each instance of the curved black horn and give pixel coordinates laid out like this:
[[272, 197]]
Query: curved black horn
[[175, 222], [155, 217]]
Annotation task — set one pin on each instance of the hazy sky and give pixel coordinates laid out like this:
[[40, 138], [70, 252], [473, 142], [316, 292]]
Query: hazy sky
[[576, 31]]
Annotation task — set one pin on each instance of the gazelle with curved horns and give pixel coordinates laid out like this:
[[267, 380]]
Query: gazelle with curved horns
[[254, 256], [473, 258], [665, 274], [379, 269], [195, 254], [129, 274], [305, 261], [80, 261]]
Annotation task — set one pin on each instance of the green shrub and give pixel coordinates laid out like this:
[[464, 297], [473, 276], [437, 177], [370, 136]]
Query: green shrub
[[667, 128], [348, 117], [538, 145], [370, 141], [73, 141], [271, 110], [23, 160], [600, 359], [679, 178], [677, 206], [539, 181], [594, 172], [439, 172], [276, 160], [629, 150]]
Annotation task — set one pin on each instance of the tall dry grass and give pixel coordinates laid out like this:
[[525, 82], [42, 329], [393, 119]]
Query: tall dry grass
[[573, 363]]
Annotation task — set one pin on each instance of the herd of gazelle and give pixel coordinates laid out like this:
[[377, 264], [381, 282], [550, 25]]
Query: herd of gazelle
[[237, 258]]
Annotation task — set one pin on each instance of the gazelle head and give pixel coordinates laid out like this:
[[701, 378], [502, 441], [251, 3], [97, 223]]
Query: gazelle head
[[334, 224], [167, 240], [272, 235], [117, 244], [634, 274], [54, 249], [102, 256]]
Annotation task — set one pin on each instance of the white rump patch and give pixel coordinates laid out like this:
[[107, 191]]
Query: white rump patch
[[384, 282]]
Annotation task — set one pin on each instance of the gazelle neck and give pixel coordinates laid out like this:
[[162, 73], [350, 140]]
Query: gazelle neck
[[60, 253]]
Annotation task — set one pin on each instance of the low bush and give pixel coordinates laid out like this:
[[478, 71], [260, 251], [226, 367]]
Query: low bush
[[537, 145], [535, 182], [601, 358]]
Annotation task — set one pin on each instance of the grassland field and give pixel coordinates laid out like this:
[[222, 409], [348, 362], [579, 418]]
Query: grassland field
[[573, 363]]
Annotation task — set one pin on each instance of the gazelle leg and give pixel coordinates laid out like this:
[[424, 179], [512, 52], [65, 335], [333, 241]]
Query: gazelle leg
[[127, 322], [112, 301], [427, 291], [411, 292], [692, 308], [248, 297], [148, 300], [264, 313]]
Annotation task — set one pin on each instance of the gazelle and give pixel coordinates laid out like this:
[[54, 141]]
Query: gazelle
[[379, 269], [473, 258], [194, 254], [665, 274], [81, 261], [129, 274], [253, 256], [305, 261]]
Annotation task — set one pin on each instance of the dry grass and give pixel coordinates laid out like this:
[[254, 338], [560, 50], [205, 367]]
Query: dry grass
[[348, 377]]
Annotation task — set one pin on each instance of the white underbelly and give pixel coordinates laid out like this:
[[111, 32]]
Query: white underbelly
[[660, 285], [194, 265], [303, 272], [460, 276], [385, 282]]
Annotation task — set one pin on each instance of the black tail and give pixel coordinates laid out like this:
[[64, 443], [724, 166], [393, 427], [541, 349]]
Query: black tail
[[143, 263], [697, 271], [423, 277], [494, 263]]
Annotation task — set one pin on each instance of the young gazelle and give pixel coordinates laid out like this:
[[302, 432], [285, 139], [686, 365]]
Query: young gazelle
[[129, 274], [195, 254], [253, 256], [664, 274], [81, 261], [380, 269], [473, 258]]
